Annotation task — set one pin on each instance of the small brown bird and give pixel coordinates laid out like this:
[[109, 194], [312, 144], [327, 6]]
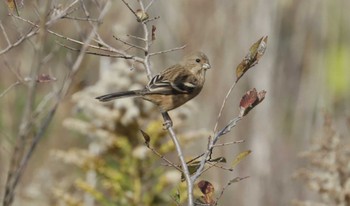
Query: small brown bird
[[174, 86]]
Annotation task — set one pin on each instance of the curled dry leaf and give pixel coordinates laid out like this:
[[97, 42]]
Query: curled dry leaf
[[45, 78], [146, 137], [208, 191], [240, 157], [154, 32], [256, 51], [141, 15], [250, 100], [14, 5]]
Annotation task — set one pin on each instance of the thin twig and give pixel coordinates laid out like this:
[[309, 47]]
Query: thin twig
[[229, 143], [149, 5], [80, 18], [127, 5], [237, 179], [96, 53], [152, 19], [128, 43], [62, 13], [223, 105], [9, 88], [19, 41], [5, 34], [168, 50], [194, 159], [165, 159], [221, 167], [136, 37]]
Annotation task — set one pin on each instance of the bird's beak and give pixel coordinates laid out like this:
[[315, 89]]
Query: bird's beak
[[206, 66]]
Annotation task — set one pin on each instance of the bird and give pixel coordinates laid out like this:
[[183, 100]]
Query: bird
[[172, 87]]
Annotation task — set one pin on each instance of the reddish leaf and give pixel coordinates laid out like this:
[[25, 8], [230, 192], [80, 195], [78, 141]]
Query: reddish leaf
[[45, 78], [208, 191], [250, 100], [154, 32]]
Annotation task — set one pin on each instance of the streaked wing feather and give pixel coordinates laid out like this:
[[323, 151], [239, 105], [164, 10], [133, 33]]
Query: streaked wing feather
[[160, 84]]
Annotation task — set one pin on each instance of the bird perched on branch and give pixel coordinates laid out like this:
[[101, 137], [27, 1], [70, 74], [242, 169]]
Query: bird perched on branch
[[172, 87]]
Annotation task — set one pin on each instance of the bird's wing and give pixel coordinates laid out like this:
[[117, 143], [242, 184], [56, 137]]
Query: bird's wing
[[174, 80]]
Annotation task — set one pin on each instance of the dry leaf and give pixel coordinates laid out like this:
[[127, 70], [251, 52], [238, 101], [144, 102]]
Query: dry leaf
[[240, 157], [14, 5], [256, 51], [208, 191], [250, 100], [146, 137], [154, 32], [45, 78], [141, 15]]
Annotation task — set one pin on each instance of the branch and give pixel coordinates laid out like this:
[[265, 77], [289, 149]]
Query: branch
[[132, 11], [9, 88], [168, 50], [129, 44], [223, 106], [186, 172], [26, 126]]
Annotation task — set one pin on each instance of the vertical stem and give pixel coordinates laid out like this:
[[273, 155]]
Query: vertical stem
[[26, 122], [186, 172], [223, 106]]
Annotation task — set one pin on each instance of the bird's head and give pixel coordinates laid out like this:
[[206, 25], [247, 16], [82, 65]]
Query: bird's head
[[196, 62]]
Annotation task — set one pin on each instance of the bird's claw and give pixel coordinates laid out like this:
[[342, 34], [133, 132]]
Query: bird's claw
[[167, 124]]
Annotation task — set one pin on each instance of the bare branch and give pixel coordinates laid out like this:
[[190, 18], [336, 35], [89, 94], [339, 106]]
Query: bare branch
[[149, 5], [129, 44], [152, 19], [62, 13], [9, 88], [186, 172], [163, 158], [98, 54], [5, 34], [167, 51], [136, 37], [80, 18], [127, 5], [229, 143], [29, 34], [237, 179], [223, 106]]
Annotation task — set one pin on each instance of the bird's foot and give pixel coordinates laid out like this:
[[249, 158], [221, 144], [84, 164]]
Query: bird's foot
[[167, 121], [167, 124]]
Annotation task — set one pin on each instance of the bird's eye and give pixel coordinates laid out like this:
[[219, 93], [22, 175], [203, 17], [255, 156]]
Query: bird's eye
[[198, 60]]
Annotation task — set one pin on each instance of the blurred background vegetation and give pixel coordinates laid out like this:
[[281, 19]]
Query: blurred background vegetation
[[305, 71]]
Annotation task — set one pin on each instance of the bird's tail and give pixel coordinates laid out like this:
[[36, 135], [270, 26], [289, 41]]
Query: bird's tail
[[118, 95]]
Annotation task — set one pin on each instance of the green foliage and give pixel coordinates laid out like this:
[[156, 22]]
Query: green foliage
[[126, 174], [338, 71]]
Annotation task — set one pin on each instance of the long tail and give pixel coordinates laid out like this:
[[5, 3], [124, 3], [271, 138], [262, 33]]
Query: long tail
[[117, 95]]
